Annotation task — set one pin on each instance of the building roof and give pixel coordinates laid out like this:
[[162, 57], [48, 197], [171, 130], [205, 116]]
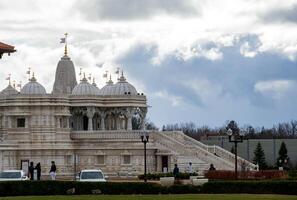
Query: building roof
[[5, 48]]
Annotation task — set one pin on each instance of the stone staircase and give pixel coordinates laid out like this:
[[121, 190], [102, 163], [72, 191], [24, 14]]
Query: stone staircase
[[187, 149]]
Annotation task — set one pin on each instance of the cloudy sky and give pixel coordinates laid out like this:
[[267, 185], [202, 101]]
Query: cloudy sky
[[205, 61]]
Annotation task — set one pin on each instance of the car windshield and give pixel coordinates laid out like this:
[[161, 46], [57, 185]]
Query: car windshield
[[10, 174], [91, 175]]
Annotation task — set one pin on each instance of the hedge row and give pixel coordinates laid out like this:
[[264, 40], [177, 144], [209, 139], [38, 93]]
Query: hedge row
[[70, 187], [252, 187], [23, 188], [252, 175], [157, 176]]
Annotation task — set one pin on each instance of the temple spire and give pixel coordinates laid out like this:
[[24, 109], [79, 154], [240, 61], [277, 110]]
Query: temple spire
[[65, 50], [64, 40]]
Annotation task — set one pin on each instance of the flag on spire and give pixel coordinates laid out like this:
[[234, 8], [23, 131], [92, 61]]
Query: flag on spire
[[63, 40], [105, 75], [117, 71]]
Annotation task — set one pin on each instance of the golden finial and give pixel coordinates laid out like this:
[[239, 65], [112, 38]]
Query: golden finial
[[65, 50]]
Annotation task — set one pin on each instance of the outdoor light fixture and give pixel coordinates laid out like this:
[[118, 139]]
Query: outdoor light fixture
[[235, 138], [144, 140]]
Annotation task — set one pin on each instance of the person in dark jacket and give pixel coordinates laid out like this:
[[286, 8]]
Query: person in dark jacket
[[175, 170], [38, 169], [53, 171], [31, 171]]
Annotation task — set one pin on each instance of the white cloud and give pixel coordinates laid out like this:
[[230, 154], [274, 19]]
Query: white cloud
[[173, 99], [276, 89], [206, 90], [247, 51]]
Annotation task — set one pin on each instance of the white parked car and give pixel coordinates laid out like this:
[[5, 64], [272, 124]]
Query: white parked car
[[91, 175], [13, 175]]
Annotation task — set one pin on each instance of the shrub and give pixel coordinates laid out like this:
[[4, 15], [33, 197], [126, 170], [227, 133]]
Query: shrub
[[17, 188], [252, 187], [157, 176], [247, 175]]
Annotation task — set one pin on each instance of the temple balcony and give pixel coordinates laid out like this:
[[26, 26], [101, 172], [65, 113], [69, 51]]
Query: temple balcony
[[107, 135]]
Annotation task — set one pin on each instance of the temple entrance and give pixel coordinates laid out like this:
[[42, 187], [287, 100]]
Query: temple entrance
[[164, 164], [85, 123]]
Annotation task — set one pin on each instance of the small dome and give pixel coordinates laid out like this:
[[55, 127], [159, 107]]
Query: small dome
[[120, 88], [33, 87], [85, 88], [107, 89], [9, 90], [123, 87]]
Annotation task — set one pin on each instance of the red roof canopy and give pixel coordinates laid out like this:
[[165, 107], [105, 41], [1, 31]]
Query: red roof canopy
[[5, 48]]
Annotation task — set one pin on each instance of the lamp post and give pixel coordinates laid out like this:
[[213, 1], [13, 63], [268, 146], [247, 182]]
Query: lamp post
[[235, 138], [144, 140]]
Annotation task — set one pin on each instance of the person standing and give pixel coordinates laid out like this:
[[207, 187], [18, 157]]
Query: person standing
[[53, 171], [31, 171], [38, 169], [211, 167], [175, 170], [190, 168]]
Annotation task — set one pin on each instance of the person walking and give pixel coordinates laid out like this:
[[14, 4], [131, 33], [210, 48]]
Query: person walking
[[175, 170], [31, 171], [38, 169], [53, 171]]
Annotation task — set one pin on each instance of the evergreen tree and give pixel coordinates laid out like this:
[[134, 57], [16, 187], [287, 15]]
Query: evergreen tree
[[259, 157], [283, 157]]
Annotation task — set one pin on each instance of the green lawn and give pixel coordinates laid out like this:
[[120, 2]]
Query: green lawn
[[158, 197]]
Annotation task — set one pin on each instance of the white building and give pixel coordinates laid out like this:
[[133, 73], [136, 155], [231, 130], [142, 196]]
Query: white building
[[80, 126]]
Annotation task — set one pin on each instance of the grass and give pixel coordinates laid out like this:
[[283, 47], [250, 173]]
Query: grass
[[158, 197]]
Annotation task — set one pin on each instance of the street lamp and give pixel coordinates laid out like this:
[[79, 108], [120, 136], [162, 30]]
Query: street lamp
[[235, 138], [144, 140]]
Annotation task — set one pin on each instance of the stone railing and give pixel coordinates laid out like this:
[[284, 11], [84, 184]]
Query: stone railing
[[216, 150], [231, 157], [118, 135], [189, 148], [168, 142]]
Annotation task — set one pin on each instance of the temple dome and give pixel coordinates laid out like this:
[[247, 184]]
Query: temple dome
[[33, 87], [107, 89], [9, 90], [85, 88], [122, 87]]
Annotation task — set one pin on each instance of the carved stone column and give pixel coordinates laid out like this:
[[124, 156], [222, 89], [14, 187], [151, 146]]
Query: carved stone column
[[142, 114], [90, 115], [102, 115], [129, 114]]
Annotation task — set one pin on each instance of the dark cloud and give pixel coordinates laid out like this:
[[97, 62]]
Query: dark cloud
[[281, 15], [235, 74], [133, 9]]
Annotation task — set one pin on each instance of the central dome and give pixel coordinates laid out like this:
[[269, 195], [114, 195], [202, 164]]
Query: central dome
[[33, 87], [85, 88]]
